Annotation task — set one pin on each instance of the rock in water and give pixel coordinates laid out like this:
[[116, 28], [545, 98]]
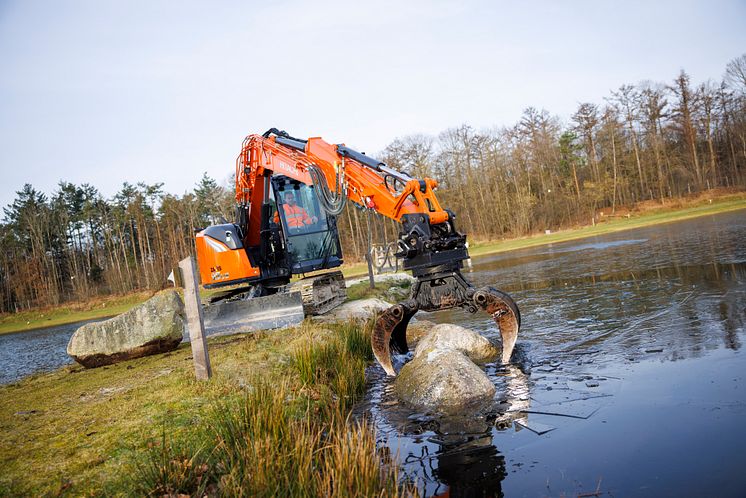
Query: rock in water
[[468, 342], [155, 326], [418, 329], [444, 381]]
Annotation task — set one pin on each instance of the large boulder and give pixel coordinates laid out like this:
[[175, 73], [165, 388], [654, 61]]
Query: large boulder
[[417, 330], [155, 326], [443, 381], [468, 342]]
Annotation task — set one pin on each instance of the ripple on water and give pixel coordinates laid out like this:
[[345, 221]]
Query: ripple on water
[[41, 350], [610, 324]]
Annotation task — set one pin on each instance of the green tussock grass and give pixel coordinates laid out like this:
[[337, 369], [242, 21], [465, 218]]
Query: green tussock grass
[[273, 421]]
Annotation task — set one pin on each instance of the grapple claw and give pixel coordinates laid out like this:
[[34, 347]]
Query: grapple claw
[[390, 332], [505, 312]]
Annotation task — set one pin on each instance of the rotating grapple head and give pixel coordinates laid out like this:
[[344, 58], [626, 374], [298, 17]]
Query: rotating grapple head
[[390, 331]]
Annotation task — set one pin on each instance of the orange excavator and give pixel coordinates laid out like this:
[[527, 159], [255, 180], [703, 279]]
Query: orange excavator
[[289, 192]]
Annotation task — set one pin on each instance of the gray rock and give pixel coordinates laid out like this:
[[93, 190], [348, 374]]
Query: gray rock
[[443, 381], [418, 330], [468, 342], [359, 309], [155, 326]]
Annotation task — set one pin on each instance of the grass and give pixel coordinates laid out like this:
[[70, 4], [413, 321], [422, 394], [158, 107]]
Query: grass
[[635, 220], [100, 308], [389, 290], [273, 421], [70, 313]]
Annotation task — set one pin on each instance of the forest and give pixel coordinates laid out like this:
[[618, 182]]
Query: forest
[[651, 141]]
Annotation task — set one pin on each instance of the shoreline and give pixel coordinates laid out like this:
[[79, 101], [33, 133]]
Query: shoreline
[[114, 305], [97, 308], [654, 217]]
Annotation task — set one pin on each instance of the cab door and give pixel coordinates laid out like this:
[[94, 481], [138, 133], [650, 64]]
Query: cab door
[[311, 236]]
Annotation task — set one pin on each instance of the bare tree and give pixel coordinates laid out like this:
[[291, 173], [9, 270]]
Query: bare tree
[[653, 105], [586, 118], [735, 73]]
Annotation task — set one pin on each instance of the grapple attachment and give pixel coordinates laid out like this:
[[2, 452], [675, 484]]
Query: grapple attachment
[[390, 333], [441, 291], [504, 311], [434, 253]]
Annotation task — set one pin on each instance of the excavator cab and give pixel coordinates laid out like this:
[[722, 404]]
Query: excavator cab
[[311, 235]]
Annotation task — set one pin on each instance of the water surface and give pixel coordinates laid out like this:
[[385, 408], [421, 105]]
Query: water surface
[[629, 358], [32, 351]]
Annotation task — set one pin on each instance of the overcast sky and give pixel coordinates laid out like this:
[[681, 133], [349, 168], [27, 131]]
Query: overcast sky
[[110, 91]]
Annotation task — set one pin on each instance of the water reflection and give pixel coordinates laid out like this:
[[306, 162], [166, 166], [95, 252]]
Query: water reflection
[[473, 468], [516, 400]]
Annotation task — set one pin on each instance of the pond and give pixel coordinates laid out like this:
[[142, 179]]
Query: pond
[[40, 350], [628, 378]]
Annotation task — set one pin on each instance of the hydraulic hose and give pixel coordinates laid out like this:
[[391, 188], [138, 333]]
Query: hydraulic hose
[[332, 203]]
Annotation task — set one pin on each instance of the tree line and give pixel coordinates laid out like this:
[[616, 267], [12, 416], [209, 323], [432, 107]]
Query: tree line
[[75, 244], [653, 141]]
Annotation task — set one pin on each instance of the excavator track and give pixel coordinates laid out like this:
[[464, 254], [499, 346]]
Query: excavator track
[[321, 293]]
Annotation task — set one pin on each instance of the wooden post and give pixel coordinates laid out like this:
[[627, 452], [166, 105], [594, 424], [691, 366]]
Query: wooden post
[[371, 279], [369, 254], [195, 322]]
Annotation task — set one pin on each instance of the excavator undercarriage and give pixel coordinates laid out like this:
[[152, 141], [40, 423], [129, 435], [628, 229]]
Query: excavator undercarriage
[[321, 293]]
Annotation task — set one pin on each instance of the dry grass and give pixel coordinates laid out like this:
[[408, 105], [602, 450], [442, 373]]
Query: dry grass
[[650, 215], [281, 438], [388, 290]]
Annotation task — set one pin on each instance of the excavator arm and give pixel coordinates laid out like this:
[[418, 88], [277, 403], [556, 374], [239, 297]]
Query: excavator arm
[[429, 243]]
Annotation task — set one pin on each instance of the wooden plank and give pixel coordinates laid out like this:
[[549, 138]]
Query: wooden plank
[[195, 320]]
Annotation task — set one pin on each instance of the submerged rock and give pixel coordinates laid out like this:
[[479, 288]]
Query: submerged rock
[[443, 381], [468, 342], [155, 326]]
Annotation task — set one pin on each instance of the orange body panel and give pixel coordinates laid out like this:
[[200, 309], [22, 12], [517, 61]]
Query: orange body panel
[[220, 264]]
